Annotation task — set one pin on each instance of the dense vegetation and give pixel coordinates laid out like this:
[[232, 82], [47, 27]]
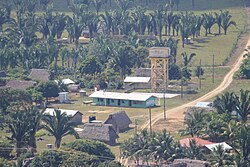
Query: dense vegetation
[[228, 123], [118, 38]]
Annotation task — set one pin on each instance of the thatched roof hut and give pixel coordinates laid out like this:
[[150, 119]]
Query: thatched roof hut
[[119, 120], [101, 132], [19, 84], [39, 74]]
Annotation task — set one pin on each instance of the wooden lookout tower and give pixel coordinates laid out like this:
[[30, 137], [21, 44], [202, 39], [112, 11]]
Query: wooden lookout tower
[[159, 57]]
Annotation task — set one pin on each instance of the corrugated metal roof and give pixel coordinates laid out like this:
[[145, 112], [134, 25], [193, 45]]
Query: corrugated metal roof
[[204, 104], [122, 96], [159, 95], [51, 111], [137, 79], [67, 81], [213, 146]]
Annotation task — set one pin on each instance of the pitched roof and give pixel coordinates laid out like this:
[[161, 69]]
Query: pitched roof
[[19, 84], [122, 96], [189, 163], [137, 79], [143, 72], [51, 111], [199, 141], [120, 118], [97, 131], [213, 146], [39, 74]]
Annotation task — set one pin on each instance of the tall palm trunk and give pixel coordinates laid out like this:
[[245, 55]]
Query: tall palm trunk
[[58, 142]]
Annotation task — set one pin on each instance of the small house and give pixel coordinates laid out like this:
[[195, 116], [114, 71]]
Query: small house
[[119, 120], [100, 132], [75, 114], [63, 97], [102, 98], [39, 74], [137, 83]]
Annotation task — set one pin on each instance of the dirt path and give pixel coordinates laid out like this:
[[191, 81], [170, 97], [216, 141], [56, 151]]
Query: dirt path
[[175, 115]]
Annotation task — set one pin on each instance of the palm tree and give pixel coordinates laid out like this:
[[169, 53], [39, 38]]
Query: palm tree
[[4, 17], [193, 151], [139, 20], [219, 158], [169, 19], [124, 5], [194, 122], [208, 22], [108, 20], [218, 19], [122, 58], [243, 138], [159, 19], [226, 21], [186, 59], [162, 146], [19, 125], [243, 105], [225, 103], [97, 5], [59, 125]]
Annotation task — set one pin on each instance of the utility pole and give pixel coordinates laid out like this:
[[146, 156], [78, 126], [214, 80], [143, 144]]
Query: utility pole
[[213, 68], [164, 101], [150, 121], [135, 126], [200, 73]]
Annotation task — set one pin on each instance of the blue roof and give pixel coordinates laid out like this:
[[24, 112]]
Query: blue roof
[[204, 104]]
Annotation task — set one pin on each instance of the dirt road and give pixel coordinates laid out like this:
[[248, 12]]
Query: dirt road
[[175, 115]]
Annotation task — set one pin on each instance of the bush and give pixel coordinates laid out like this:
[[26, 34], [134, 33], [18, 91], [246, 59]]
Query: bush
[[91, 147], [5, 149]]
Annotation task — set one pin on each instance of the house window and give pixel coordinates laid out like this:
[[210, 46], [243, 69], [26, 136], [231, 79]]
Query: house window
[[112, 101], [101, 100], [123, 101], [138, 102]]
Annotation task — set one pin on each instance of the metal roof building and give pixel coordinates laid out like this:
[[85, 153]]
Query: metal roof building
[[123, 99]]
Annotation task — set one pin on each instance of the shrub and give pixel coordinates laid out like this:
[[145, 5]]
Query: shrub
[[5, 149], [91, 147]]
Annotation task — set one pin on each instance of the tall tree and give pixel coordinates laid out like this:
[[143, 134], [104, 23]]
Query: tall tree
[[59, 125], [225, 103], [243, 104], [226, 21]]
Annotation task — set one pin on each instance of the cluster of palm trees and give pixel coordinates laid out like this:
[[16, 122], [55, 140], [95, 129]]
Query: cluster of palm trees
[[228, 123], [28, 40], [24, 121]]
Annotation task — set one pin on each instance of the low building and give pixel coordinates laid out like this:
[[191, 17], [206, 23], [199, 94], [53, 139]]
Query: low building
[[137, 83], [75, 114], [39, 74], [100, 132], [63, 97], [119, 120], [200, 142], [102, 98]]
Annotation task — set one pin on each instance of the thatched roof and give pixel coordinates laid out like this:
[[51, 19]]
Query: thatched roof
[[191, 163], [120, 118], [98, 131], [18, 84], [143, 72], [39, 74], [3, 74]]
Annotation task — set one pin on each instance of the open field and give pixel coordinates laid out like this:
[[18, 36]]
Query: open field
[[61, 5]]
